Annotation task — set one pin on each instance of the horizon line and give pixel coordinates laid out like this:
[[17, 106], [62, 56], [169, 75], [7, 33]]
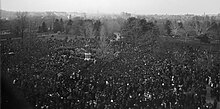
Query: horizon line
[[117, 13]]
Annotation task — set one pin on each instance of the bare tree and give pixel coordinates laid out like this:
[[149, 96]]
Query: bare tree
[[168, 27], [103, 38], [200, 27], [177, 29], [104, 50], [88, 29], [22, 23]]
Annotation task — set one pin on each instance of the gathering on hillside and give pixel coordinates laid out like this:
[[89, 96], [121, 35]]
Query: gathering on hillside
[[128, 65]]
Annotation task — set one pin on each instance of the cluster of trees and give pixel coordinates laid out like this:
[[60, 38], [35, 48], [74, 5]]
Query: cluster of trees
[[19, 26], [21, 23], [194, 27], [90, 28], [168, 27], [136, 30], [5, 24], [43, 28], [79, 27], [133, 28], [58, 25], [174, 29]]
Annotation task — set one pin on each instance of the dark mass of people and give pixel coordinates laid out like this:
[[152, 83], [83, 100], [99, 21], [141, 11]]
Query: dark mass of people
[[179, 77]]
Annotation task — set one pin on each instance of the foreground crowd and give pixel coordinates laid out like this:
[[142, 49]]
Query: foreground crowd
[[136, 78]]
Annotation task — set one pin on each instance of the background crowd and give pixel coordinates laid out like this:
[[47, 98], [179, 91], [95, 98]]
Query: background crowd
[[160, 76]]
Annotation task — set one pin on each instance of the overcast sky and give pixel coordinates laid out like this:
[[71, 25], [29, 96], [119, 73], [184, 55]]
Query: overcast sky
[[116, 6]]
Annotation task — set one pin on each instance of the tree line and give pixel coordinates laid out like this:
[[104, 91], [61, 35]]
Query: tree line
[[77, 26]]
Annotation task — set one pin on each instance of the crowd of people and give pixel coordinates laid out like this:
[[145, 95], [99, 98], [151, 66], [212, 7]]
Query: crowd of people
[[138, 77]]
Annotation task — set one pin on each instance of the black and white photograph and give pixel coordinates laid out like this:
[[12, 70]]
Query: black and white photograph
[[110, 54]]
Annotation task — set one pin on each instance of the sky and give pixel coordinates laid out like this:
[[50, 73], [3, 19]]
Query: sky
[[198, 7]]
